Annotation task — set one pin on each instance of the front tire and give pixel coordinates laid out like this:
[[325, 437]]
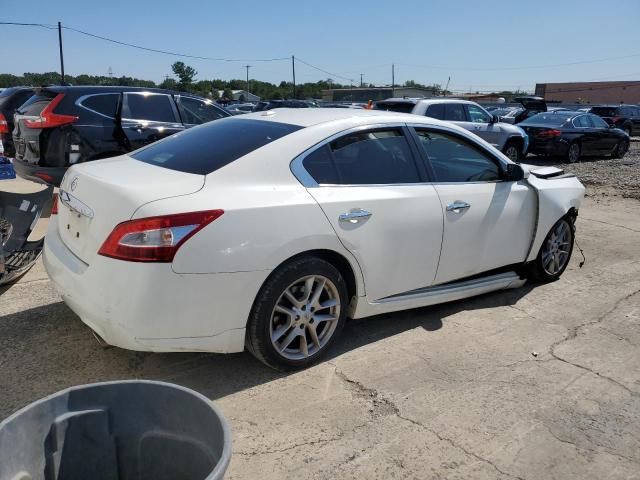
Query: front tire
[[621, 149], [555, 252], [298, 314], [512, 151]]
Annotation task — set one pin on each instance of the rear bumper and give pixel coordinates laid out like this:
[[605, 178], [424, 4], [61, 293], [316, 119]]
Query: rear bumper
[[36, 173], [148, 307]]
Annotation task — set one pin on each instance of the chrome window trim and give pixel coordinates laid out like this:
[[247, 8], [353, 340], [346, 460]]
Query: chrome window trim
[[81, 99], [577, 117]]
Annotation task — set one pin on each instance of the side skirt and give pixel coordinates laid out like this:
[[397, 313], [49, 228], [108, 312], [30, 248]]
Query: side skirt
[[424, 297]]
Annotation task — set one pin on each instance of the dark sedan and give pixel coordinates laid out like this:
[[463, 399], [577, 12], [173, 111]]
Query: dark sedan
[[573, 134]]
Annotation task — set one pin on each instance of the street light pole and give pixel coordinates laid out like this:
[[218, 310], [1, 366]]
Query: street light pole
[[293, 67], [247, 67], [393, 80], [61, 55]]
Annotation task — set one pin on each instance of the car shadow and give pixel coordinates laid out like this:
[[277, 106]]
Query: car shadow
[[560, 162], [51, 347]]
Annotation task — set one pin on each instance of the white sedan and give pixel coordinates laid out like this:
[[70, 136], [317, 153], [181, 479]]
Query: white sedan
[[268, 230]]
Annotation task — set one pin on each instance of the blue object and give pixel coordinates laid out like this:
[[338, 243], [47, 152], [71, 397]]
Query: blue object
[[6, 169]]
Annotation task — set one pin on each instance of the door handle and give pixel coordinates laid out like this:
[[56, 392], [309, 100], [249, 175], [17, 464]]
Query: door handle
[[354, 215], [457, 206]]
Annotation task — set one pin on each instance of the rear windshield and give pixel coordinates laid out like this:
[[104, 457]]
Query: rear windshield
[[401, 107], [206, 148], [604, 111], [556, 119], [36, 103]]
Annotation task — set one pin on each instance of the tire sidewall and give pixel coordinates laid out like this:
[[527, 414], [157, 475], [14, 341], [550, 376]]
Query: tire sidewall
[[618, 153], [258, 328], [540, 273]]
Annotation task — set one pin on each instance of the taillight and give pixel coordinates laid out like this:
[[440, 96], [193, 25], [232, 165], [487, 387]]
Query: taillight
[[49, 119], [155, 239], [615, 119], [550, 133], [4, 126], [54, 204]]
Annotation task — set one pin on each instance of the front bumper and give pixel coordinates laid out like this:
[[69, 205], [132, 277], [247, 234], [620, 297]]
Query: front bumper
[[36, 173], [148, 307]]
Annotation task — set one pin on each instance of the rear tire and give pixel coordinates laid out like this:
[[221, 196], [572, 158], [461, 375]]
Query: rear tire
[[627, 130], [573, 153], [621, 149], [297, 315], [555, 252]]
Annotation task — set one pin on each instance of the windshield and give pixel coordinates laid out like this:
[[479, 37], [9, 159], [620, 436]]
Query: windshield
[[213, 145]]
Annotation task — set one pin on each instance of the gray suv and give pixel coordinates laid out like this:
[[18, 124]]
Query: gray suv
[[509, 139]]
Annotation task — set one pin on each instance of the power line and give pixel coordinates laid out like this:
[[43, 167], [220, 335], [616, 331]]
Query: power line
[[323, 71], [43, 25]]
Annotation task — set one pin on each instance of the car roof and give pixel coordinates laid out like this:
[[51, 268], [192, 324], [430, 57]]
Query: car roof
[[307, 117], [107, 88]]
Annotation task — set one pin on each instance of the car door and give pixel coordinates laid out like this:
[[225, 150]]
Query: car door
[[146, 117], [480, 123], [195, 111], [605, 138], [369, 185], [589, 137], [488, 221]]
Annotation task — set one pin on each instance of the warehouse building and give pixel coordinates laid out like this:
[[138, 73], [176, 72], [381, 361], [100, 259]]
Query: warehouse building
[[364, 94], [590, 92]]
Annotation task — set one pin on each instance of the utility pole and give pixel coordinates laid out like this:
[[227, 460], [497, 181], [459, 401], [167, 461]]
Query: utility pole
[[393, 79], [361, 84], [293, 67], [247, 67], [61, 56]]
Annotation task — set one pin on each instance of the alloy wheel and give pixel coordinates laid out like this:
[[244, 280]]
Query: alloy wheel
[[512, 153], [305, 317], [574, 153], [557, 248]]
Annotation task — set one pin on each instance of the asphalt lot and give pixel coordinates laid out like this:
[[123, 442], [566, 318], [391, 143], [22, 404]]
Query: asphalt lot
[[542, 382]]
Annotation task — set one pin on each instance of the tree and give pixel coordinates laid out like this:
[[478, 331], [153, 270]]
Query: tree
[[169, 84], [227, 94], [185, 75]]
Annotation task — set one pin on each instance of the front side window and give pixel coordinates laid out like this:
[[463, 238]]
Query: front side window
[[148, 106], [195, 111], [376, 157], [455, 160], [454, 112], [597, 121], [582, 122], [477, 114]]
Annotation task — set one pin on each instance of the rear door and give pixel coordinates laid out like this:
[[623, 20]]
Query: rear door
[[488, 222], [370, 188], [196, 111], [606, 138], [590, 137], [147, 117]]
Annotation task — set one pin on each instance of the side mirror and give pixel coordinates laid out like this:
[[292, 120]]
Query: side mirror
[[514, 172], [494, 119]]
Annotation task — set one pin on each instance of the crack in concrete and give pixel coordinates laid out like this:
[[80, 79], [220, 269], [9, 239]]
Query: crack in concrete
[[574, 332], [295, 445], [388, 406], [610, 224]]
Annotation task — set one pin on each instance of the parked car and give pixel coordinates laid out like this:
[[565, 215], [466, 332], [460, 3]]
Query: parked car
[[271, 104], [574, 134], [10, 99], [269, 230], [508, 114], [240, 108], [62, 126], [624, 117], [511, 140]]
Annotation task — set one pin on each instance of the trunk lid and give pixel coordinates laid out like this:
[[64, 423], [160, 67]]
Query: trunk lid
[[27, 140], [533, 104], [96, 196]]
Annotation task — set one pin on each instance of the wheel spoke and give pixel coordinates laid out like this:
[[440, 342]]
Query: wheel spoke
[[280, 331], [303, 345], [315, 298], [328, 304], [314, 335], [289, 338], [292, 298], [324, 318], [308, 288]]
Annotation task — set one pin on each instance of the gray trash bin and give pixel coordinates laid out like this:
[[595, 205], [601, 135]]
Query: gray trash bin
[[128, 430]]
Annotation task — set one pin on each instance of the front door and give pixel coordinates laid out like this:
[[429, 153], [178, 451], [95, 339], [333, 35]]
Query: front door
[[488, 222], [372, 192], [146, 117], [479, 122]]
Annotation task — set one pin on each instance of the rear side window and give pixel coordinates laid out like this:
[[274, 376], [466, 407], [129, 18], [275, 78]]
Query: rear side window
[[454, 112], [148, 106], [436, 111], [206, 148], [400, 107], [105, 104], [36, 103], [373, 158]]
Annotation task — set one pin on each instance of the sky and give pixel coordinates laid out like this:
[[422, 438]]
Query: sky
[[484, 45]]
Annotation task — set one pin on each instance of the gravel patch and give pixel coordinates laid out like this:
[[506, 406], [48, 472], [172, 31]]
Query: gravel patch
[[621, 175]]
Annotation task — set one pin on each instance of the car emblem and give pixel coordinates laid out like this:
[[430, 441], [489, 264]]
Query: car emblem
[[74, 183]]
